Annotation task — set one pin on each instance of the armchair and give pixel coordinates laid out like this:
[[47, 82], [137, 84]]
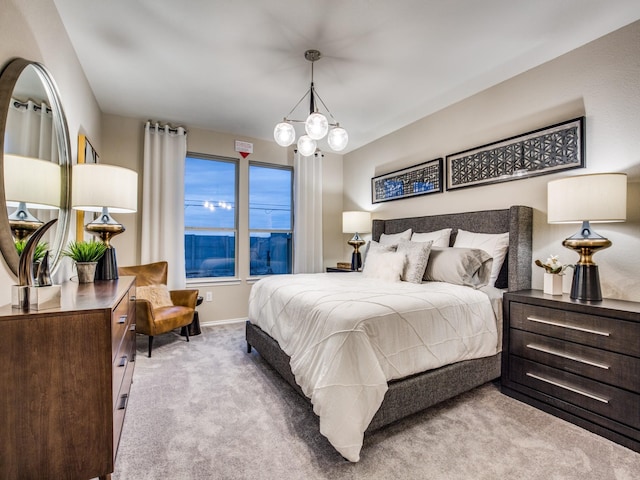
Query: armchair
[[160, 316]]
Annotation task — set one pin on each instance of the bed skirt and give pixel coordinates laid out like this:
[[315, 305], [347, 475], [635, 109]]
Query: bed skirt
[[405, 396]]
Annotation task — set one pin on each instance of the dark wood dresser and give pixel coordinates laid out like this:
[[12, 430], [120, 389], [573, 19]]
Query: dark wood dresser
[[65, 375], [578, 361]]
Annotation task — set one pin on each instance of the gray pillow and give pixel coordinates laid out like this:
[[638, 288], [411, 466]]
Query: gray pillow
[[461, 266], [417, 254]]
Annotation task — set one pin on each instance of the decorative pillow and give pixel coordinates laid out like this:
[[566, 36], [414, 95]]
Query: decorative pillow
[[460, 266], [495, 245], [417, 254], [440, 238], [395, 238], [373, 245], [384, 265], [158, 295]]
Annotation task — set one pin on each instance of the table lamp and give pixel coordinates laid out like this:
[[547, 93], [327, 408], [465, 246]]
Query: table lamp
[[600, 197], [30, 183], [104, 189], [356, 223]]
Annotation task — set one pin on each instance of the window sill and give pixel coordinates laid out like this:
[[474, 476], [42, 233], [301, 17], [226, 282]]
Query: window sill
[[203, 282]]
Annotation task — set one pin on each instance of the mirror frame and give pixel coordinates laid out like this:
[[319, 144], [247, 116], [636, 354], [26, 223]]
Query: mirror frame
[[8, 79]]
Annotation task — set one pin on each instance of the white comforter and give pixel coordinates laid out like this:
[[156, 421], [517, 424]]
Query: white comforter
[[348, 335]]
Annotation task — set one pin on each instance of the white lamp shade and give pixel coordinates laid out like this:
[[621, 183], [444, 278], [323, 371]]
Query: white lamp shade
[[306, 145], [284, 134], [33, 181], [316, 126], [356, 222], [338, 139], [600, 197], [95, 186]]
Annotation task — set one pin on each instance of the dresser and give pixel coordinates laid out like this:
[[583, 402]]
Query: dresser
[[578, 361], [65, 375]]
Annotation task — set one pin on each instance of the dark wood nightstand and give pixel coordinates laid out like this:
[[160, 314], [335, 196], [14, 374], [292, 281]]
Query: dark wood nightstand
[[577, 361], [335, 269]]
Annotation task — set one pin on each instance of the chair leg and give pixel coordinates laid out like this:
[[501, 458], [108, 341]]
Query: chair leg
[[150, 344], [186, 333]]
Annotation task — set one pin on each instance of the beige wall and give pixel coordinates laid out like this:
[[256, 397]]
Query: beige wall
[[33, 30], [599, 80], [123, 145]]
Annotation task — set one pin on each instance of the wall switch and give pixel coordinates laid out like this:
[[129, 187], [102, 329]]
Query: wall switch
[[209, 296]]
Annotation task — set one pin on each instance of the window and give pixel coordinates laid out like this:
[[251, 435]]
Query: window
[[210, 216], [270, 219]]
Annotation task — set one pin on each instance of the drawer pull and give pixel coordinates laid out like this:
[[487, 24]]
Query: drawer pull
[[567, 356], [567, 387], [122, 319], [123, 361], [571, 327], [123, 401]]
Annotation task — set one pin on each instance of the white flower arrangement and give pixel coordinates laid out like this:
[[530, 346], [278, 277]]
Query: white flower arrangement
[[553, 265]]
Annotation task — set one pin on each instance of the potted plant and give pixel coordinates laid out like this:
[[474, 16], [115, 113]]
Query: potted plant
[[85, 255], [553, 272], [40, 262]]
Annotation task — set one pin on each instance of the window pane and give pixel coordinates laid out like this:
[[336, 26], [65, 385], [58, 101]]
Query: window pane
[[269, 198], [270, 253], [210, 254], [210, 193]]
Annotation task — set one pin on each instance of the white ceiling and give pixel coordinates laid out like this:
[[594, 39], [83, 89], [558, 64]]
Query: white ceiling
[[238, 66]]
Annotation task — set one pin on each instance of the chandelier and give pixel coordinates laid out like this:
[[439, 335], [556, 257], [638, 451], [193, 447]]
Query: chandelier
[[316, 126]]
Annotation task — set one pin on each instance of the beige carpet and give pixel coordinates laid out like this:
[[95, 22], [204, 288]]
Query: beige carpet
[[208, 410]]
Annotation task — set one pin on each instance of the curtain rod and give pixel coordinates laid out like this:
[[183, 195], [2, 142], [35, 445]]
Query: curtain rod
[[160, 125], [36, 107]]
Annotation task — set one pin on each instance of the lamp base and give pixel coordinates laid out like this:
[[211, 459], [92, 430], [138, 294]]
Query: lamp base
[[356, 260], [107, 268], [586, 283]]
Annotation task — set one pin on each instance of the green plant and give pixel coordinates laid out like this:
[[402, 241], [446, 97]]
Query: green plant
[[84, 251], [39, 252]]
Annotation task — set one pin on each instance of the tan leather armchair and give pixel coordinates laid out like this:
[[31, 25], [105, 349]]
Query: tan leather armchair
[[156, 321]]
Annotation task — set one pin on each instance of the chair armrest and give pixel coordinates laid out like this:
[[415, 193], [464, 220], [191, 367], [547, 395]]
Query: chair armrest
[[184, 298], [144, 316]]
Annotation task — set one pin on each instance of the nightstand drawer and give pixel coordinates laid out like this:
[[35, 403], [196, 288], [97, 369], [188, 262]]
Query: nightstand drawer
[[597, 331], [611, 402], [612, 368]]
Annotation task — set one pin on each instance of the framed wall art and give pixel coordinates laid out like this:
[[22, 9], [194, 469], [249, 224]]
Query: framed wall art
[[409, 182], [540, 152]]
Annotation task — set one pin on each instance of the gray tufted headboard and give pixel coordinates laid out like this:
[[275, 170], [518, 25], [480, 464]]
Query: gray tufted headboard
[[517, 220]]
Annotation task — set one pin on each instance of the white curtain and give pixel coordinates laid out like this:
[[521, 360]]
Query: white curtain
[[307, 230], [165, 150], [30, 131]]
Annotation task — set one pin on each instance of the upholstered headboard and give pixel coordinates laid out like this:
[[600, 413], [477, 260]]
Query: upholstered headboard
[[517, 220]]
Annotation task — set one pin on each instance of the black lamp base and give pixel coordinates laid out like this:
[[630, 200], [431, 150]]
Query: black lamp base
[[356, 260], [586, 283], [107, 268]]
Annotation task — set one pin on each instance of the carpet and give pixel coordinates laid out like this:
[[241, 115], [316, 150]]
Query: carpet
[[208, 410]]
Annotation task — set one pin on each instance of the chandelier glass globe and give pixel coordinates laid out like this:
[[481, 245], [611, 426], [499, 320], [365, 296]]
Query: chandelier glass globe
[[284, 134], [306, 145], [338, 139], [316, 126]]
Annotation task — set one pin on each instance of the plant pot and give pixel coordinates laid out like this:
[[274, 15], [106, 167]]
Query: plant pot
[[552, 284], [86, 271]]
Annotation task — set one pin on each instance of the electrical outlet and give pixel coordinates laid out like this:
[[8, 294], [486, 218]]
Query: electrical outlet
[[209, 296]]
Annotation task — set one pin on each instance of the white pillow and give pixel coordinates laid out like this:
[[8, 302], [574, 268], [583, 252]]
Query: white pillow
[[461, 266], [386, 266], [417, 254], [440, 238], [395, 238], [373, 245], [495, 244]]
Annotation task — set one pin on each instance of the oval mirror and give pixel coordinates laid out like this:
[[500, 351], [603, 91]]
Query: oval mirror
[[35, 160]]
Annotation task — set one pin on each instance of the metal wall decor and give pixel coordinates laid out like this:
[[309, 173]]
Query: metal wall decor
[[540, 152], [408, 182]]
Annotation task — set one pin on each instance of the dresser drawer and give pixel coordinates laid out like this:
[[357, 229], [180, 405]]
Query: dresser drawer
[[123, 364], [120, 406], [612, 368], [611, 402], [593, 330], [121, 322]]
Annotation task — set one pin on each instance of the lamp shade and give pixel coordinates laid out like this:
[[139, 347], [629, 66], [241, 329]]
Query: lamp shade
[[32, 181], [600, 197], [356, 222], [95, 186]]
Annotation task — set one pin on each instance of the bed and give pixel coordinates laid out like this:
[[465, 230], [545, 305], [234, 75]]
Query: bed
[[407, 395]]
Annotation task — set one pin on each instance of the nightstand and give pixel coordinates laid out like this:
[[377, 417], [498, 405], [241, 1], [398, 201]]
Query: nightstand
[[577, 361], [335, 269]]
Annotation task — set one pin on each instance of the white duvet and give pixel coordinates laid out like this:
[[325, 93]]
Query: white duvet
[[347, 336]]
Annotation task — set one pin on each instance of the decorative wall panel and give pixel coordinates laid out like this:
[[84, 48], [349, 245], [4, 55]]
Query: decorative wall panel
[[417, 180]]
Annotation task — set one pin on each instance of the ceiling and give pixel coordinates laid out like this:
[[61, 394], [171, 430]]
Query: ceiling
[[239, 67]]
